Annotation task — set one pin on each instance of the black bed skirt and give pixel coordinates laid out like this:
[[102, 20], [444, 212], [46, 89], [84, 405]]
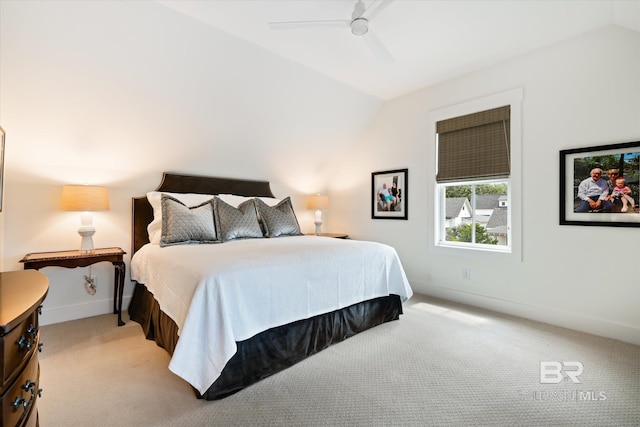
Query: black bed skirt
[[273, 350]]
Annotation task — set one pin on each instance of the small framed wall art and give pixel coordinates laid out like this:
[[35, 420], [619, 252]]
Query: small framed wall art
[[600, 185], [389, 194]]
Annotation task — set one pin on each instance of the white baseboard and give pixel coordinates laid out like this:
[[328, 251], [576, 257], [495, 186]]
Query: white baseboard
[[578, 322], [80, 311]]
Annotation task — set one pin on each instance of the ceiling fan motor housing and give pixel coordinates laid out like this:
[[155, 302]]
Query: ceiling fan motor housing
[[359, 26]]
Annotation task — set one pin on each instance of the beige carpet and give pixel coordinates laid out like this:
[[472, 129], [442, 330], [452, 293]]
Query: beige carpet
[[441, 364]]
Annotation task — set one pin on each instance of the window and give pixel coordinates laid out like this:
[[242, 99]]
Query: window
[[476, 213], [476, 204]]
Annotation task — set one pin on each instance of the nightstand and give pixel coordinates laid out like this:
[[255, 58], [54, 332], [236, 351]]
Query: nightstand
[[335, 235], [72, 259]]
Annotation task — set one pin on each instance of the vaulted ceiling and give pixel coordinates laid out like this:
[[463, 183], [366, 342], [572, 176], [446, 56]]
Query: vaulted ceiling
[[430, 41]]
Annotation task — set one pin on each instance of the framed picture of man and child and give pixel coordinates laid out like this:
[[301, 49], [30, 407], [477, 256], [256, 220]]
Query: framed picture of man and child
[[600, 185], [389, 194]]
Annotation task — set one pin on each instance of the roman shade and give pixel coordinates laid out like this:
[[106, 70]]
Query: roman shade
[[474, 146]]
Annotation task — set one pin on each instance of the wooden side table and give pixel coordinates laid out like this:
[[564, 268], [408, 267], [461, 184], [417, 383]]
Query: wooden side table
[[73, 259]]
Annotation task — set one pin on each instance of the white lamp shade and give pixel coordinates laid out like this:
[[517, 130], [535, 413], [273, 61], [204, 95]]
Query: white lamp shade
[[318, 202], [85, 198]]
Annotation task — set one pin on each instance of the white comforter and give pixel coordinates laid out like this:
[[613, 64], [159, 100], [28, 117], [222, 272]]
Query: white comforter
[[222, 293]]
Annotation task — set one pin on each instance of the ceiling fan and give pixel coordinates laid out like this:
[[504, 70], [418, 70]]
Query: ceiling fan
[[359, 24]]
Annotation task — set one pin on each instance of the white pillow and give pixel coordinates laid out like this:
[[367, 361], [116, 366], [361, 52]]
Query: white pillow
[[155, 199], [270, 201], [234, 200]]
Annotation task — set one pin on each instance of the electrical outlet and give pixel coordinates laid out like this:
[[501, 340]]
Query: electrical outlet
[[466, 274]]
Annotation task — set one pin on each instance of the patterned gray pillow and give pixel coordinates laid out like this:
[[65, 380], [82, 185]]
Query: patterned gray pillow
[[236, 223], [278, 220], [185, 225]]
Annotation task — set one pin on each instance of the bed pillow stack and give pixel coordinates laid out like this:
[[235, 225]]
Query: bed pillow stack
[[189, 218]]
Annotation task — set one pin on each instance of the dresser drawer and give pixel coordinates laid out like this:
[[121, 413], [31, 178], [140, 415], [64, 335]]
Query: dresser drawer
[[17, 346], [21, 295], [19, 401]]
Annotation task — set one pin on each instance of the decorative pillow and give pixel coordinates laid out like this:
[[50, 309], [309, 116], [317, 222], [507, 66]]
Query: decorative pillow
[[278, 220], [184, 225], [235, 200], [155, 200], [236, 223]]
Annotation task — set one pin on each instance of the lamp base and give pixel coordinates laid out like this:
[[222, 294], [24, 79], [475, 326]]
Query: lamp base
[[318, 221], [86, 245]]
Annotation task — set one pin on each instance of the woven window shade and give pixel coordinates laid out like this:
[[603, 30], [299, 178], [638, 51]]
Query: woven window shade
[[475, 146]]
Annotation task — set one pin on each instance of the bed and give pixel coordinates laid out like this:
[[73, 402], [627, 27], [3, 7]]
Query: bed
[[234, 311]]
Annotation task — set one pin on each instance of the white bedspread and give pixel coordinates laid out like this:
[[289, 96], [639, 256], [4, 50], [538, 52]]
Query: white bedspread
[[222, 293]]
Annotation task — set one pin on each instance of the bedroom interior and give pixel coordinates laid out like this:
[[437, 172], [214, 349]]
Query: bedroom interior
[[115, 93]]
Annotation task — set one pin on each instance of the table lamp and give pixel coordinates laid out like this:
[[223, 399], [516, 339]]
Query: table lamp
[[318, 203], [85, 198]]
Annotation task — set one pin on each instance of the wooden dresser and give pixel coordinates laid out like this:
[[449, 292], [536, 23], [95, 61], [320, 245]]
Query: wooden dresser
[[21, 296]]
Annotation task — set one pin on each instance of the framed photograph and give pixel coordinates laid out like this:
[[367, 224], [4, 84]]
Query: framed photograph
[[600, 185], [2, 134], [389, 194]]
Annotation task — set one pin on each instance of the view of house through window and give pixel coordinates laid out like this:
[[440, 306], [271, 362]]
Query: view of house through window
[[477, 213]]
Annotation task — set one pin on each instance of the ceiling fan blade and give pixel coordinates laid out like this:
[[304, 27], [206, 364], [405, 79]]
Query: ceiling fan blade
[[288, 25], [378, 48], [358, 10], [375, 8]]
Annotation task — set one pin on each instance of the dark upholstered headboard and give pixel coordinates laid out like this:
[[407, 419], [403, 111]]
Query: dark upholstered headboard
[[142, 212]]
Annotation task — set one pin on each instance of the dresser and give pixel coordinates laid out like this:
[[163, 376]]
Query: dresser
[[21, 296]]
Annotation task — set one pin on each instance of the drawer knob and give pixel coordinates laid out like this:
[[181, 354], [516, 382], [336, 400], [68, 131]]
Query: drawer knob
[[19, 402], [32, 331], [39, 392], [24, 343], [28, 385], [40, 310], [40, 347]]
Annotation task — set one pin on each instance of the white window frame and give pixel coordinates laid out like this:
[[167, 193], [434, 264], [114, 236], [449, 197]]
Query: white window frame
[[441, 225], [513, 98]]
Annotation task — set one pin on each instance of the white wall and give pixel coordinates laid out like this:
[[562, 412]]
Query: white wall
[[580, 93], [114, 93]]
